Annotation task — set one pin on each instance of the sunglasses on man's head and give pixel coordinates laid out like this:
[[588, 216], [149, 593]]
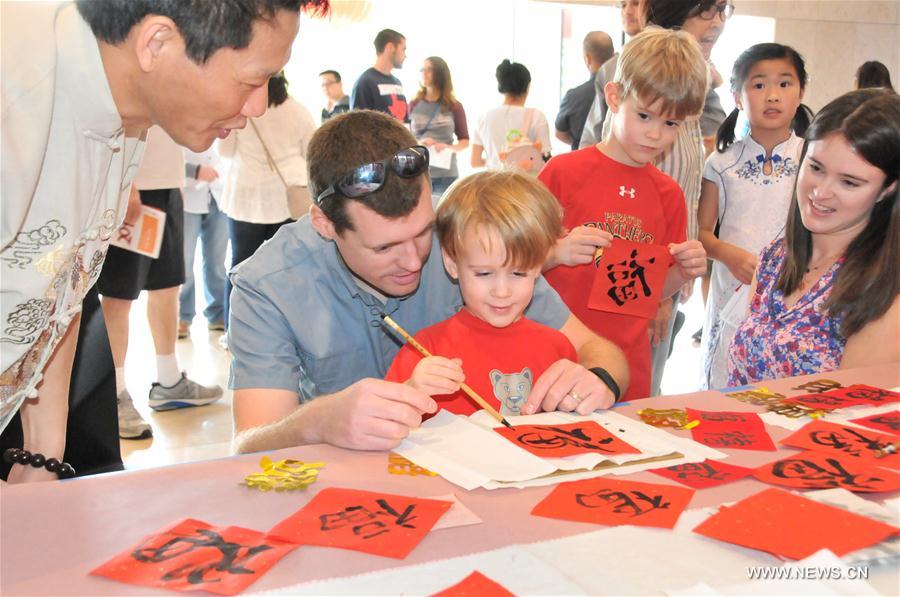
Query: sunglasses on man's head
[[369, 178]]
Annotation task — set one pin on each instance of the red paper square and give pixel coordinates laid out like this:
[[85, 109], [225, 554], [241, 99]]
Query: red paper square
[[616, 502], [194, 556], [629, 278], [475, 585], [732, 430], [701, 475], [846, 440], [887, 422], [792, 526], [380, 523], [818, 470], [570, 439], [823, 401], [867, 394]]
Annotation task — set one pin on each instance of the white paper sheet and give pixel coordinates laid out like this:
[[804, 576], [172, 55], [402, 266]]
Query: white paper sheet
[[631, 560], [440, 159], [836, 580], [512, 567], [469, 453], [457, 516]]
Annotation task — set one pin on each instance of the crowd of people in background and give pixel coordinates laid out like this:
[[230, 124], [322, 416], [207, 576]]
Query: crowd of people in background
[[791, 217]]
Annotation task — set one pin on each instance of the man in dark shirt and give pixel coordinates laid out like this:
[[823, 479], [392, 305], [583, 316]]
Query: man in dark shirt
[[573, 110], [377, 88], [338, 101]]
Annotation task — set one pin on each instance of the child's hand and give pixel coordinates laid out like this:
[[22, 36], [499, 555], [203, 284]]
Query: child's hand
[[437, 376], [741, 263], [579, 245], [690, 257]]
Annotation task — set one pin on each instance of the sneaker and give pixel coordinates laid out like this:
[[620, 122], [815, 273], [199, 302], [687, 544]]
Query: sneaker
[[183, 394], [131, 424], [183, 330], [698, 335], [216, 326], [223, 342]]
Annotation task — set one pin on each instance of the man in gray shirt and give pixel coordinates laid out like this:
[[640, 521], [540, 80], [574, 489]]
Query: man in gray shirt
[[310, 349], [598, 48]]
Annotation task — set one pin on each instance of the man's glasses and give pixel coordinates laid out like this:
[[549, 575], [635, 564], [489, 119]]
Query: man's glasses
[[709, 12], [369, 178]]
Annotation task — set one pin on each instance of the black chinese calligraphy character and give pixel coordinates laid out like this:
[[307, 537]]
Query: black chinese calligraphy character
[[621, 502], [891, 421], [869, 394], [549, 438], [852, 442], [624, 276], [724, 417], [234, 556], [729, 439], [697, 471], [820, 400], [819, 476], [365, 523]]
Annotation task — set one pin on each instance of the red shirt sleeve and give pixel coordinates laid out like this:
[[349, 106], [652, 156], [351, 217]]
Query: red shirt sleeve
[[404, 364]]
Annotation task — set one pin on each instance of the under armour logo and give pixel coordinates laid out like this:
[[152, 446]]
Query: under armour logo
[[623, 191]]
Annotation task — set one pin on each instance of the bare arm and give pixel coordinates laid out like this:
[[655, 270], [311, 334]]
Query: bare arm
[[44, 418], [477, 156], [741, 263], [371, 414], [883, 333], [595, 351], [460, 145], [690, 262], [559, 385]]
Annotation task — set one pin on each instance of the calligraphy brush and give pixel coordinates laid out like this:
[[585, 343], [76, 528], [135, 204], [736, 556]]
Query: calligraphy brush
[[424, 352]]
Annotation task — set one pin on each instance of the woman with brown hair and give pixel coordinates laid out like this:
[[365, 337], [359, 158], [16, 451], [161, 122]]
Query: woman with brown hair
[[826, 294], [436, 118]]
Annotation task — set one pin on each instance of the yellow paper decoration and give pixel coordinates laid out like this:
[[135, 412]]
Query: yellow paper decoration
[[398, 465], [284, 475], [671, 417]]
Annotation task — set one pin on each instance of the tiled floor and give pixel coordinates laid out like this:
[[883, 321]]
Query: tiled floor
[[205, 432]]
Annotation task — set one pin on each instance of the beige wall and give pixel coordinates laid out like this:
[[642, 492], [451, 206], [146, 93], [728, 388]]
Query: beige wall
[[834, 37]]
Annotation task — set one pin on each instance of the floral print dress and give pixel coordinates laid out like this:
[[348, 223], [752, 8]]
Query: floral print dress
[[776, 341]]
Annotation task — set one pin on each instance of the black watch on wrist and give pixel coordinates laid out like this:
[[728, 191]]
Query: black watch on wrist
[[606, 378]]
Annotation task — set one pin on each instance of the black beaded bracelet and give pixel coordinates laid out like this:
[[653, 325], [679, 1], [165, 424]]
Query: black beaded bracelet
[[63, 470]]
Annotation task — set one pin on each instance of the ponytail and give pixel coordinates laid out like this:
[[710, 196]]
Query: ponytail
[[725, 134], [801, 120]]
